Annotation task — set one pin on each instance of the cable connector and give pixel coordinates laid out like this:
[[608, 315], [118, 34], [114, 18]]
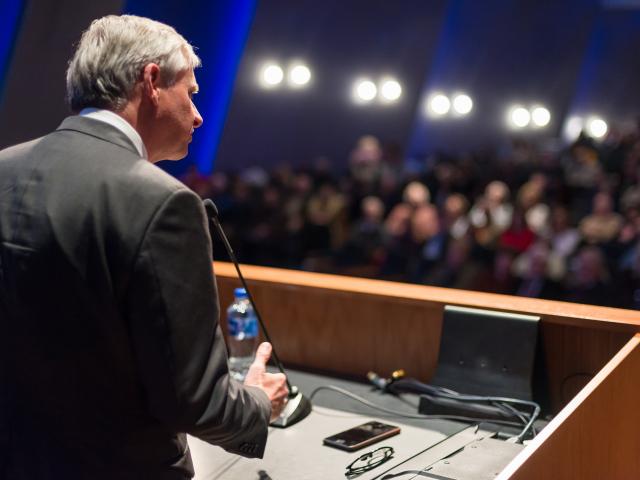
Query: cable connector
[[377, 381]]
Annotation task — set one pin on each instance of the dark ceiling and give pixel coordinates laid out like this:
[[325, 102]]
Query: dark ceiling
[[573, 56]]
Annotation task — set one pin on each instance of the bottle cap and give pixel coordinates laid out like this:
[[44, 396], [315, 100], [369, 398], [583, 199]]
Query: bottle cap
[[240, 293]]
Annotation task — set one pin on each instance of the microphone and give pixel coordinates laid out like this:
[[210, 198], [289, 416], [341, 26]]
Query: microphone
[[298, 406]]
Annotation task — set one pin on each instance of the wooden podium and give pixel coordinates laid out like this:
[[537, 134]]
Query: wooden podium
[[348, 326]]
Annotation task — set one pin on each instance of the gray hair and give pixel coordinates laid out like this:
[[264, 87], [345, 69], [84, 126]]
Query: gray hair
[[112, 54]]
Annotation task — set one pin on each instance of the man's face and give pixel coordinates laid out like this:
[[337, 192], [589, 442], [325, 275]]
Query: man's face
[[176, 118]]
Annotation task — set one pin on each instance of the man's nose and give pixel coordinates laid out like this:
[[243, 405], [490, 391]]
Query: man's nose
[[197, 120]]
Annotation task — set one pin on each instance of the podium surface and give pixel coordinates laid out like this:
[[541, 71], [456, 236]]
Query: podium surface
[[298, 453], [590, 356]]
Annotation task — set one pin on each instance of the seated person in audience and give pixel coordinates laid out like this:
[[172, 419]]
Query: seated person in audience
[[364, 247], [365, 163], [295, 207], [499, 278], [530, 201], [589, 280], [454, 219], [491, 214], [630, 205], [538, 273], [426, 242], [325, 228], [582, 175], [518, 237], [563, 238], [603, 224], [265, 231], [457, 269], [395, 229], [628, 277]]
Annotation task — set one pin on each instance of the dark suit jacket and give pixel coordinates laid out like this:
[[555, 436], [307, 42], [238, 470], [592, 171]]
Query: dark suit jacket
[[109, 338]]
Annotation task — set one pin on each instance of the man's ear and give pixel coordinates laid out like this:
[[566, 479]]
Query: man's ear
[[151, 82]]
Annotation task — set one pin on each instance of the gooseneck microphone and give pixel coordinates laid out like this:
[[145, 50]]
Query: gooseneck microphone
[[298, 406]]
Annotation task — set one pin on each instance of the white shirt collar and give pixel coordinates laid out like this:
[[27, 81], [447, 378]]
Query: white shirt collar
[[120, 123]]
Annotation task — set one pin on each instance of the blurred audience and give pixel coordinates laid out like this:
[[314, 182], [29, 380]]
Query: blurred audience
[[561, 225]]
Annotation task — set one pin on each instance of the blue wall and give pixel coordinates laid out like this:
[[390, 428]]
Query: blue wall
[[501, 52], [10, 15], [218, 30], [602, 87]]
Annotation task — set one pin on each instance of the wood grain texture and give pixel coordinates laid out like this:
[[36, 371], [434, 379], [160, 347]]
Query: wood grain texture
[[561, 312], [596, 435], [573, 355], [349, 326], [345, 333]]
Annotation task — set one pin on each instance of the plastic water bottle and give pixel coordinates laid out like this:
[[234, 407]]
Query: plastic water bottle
[[243, 334]]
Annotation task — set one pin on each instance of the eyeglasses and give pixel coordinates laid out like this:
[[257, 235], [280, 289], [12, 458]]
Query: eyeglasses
[[369, 461]]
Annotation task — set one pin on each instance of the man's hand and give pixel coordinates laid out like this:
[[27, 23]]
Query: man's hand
[[273, 384]]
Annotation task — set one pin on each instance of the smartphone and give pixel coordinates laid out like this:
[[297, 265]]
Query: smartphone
[[358, 437]]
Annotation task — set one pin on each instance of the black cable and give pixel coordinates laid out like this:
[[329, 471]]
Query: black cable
[[409, 415], [415, 386], [509, 410], [521, 415], [412, 385], [479, 398]]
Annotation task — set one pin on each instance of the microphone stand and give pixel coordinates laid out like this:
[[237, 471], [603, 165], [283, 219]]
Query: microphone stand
[[298, 406]]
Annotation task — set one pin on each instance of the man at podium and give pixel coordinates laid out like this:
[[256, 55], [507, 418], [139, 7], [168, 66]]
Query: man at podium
[[110, 348]]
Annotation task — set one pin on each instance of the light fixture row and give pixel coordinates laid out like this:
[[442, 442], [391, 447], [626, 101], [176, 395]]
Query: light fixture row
[[272, 75], [458, 105], [438, 105], [593, 125], [388, 90], [536, 116]]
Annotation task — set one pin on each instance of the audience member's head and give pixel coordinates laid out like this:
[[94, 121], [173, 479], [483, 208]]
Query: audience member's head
[[590, 267], [367, 151], [455, 206], [416, 194], [529, 195], [425, 223], [602, 204], [302, 183], [372, 209], [560, 218], [496, 193]]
